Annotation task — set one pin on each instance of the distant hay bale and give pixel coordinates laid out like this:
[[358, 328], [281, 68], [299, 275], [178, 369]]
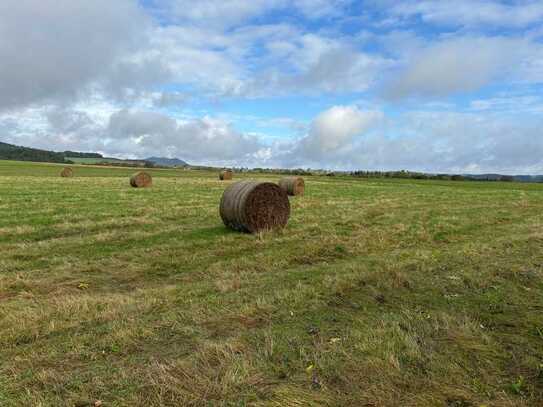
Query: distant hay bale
[[252, 206], [141, 180], [226, 175], [67, 172], [293, 185]]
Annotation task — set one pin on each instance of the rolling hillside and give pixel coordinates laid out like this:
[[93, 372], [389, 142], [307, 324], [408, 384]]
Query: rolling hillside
[[12, 152], [20, 153]]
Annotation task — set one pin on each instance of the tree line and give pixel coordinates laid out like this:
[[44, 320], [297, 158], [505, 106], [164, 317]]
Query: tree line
[[18, 153]]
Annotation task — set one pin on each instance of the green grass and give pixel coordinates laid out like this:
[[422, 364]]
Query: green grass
[[378, 293]]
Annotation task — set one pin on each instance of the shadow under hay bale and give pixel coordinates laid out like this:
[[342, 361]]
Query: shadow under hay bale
[[252, 206], [141, 180], [67, 172], [293, 185], [226, 175]]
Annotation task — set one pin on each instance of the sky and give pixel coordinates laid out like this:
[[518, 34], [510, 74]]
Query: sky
[[429, 85]]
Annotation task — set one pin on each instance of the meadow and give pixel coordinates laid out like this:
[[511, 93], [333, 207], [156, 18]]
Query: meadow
[[377, 293]]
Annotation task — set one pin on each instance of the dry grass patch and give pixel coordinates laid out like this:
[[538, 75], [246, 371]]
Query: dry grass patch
[[214, 373]]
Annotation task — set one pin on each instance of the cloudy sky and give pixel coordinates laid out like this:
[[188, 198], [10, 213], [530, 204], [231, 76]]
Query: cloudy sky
[[427, 85]]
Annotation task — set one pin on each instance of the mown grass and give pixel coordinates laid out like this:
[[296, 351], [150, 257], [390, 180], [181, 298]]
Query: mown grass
[[378, 293]]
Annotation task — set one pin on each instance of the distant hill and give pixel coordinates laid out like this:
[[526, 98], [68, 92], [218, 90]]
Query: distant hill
[[18, 153], [167, 162]]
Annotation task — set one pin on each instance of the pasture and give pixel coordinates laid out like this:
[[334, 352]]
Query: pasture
[[377, 293]]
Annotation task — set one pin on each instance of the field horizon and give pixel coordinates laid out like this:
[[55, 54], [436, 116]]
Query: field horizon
[[379, 292]]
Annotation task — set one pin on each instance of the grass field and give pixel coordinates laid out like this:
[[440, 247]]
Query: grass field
[[378, 293]]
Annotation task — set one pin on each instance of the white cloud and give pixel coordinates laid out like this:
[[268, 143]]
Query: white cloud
[[260, 61], [131, 133], [313, 64], [227, 13], [55, 50], [458, 142], [104, 76], [215, 15], [322, 8], [466, 64], [115, 49], [332, 134], [346, 138], [201, 140], [511, 104], [471, 13], [342, 137], [335, 127]]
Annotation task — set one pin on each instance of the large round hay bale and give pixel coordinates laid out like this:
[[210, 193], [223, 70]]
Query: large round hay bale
[[226, 175], [293, 185], [141, 180], [252, 206], [67, 172]]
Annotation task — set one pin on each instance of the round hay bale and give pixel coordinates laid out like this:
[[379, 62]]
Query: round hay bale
[[252, 206], [141, 180], [293, 185], [226, 175], [67, 172]]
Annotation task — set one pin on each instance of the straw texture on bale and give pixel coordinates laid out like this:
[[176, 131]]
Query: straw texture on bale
[[67, 172], [141, 180], [226, 175], [293, 185], [252, 206]]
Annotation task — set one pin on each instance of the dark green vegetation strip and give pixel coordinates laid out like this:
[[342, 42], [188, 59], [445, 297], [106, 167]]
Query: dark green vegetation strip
[[378, 293]]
